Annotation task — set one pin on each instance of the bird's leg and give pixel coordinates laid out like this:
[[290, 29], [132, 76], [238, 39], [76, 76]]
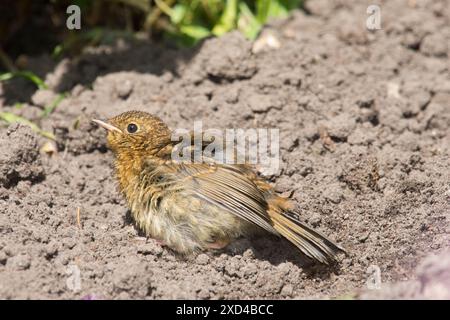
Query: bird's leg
[[217, 245], [161, 242]]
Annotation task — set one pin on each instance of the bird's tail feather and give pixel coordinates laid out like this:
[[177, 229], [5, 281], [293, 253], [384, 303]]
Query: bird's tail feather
[[311, 242]]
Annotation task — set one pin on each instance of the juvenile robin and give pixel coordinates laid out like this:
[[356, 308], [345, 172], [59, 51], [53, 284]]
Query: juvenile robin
[[192, 207]]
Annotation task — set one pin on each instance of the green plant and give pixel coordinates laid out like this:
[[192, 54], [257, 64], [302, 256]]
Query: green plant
[[24, 74], [191, 21], [9, 118]]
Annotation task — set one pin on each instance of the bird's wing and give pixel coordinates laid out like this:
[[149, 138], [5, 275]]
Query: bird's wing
[[227, 187]]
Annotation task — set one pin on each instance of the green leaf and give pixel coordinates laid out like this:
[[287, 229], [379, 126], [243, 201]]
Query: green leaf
[[6, 76], [195, 32], [24, 74], [18, 105], [57, 51], [227, 20], [9, 118], [212, 9], [162, 5], [291, 4], [281, 8], [193, 20], [178, 13], [277, 10], [262, 10], [248, 24]]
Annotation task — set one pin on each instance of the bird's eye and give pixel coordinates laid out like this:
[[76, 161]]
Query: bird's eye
[[132, 128]]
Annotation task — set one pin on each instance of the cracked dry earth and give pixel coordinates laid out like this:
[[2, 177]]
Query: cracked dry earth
[[364, 122]]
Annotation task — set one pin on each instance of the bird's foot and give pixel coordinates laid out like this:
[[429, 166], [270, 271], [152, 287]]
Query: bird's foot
[[217, 245], [162, 243]]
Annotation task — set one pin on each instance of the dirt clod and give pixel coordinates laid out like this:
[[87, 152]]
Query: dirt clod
[[19, 156]]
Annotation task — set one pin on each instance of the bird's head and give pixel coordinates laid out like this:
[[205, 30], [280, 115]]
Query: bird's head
[[136, 133]]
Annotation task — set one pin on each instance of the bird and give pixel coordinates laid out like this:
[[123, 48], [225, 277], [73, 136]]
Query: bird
[[195, 207]]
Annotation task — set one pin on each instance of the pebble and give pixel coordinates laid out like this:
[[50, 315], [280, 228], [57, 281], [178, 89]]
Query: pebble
[[150, 248], [287, 290], [19, 262], [202, 259], [124, 89], [266, 41]]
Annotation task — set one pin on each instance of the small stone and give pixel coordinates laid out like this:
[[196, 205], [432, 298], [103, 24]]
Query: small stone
[[248, 254], [250, 269], [362, 238], [333, 193], [232, 270], [260, 103], [361, 136], [51, 250], [22, 161], [49, 148], [150, 248], [167, 76], [204, 294], [315, 219], [340, 126], [19, 262], [69, 243], [287, 290], [124, 89], [9, 251], [393, 90], [284, 268], [64, 260], [202, 259], [123, 296], [77, 90], [266, 41], [434, 45], [347, 262]]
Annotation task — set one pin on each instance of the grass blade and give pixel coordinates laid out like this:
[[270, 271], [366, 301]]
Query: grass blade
[[227, 21], [248, 24], [10, 118], [24, 74]]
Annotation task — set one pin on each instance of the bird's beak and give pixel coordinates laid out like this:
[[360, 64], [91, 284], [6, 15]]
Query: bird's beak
[[107, 126]]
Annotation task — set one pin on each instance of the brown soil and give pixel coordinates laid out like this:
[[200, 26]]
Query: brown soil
[[364, 121]]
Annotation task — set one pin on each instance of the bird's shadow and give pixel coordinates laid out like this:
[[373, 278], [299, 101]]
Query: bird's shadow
[[264, 248], [277, 250]]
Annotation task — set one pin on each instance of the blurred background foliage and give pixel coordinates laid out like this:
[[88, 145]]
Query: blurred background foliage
[[30, 27]]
